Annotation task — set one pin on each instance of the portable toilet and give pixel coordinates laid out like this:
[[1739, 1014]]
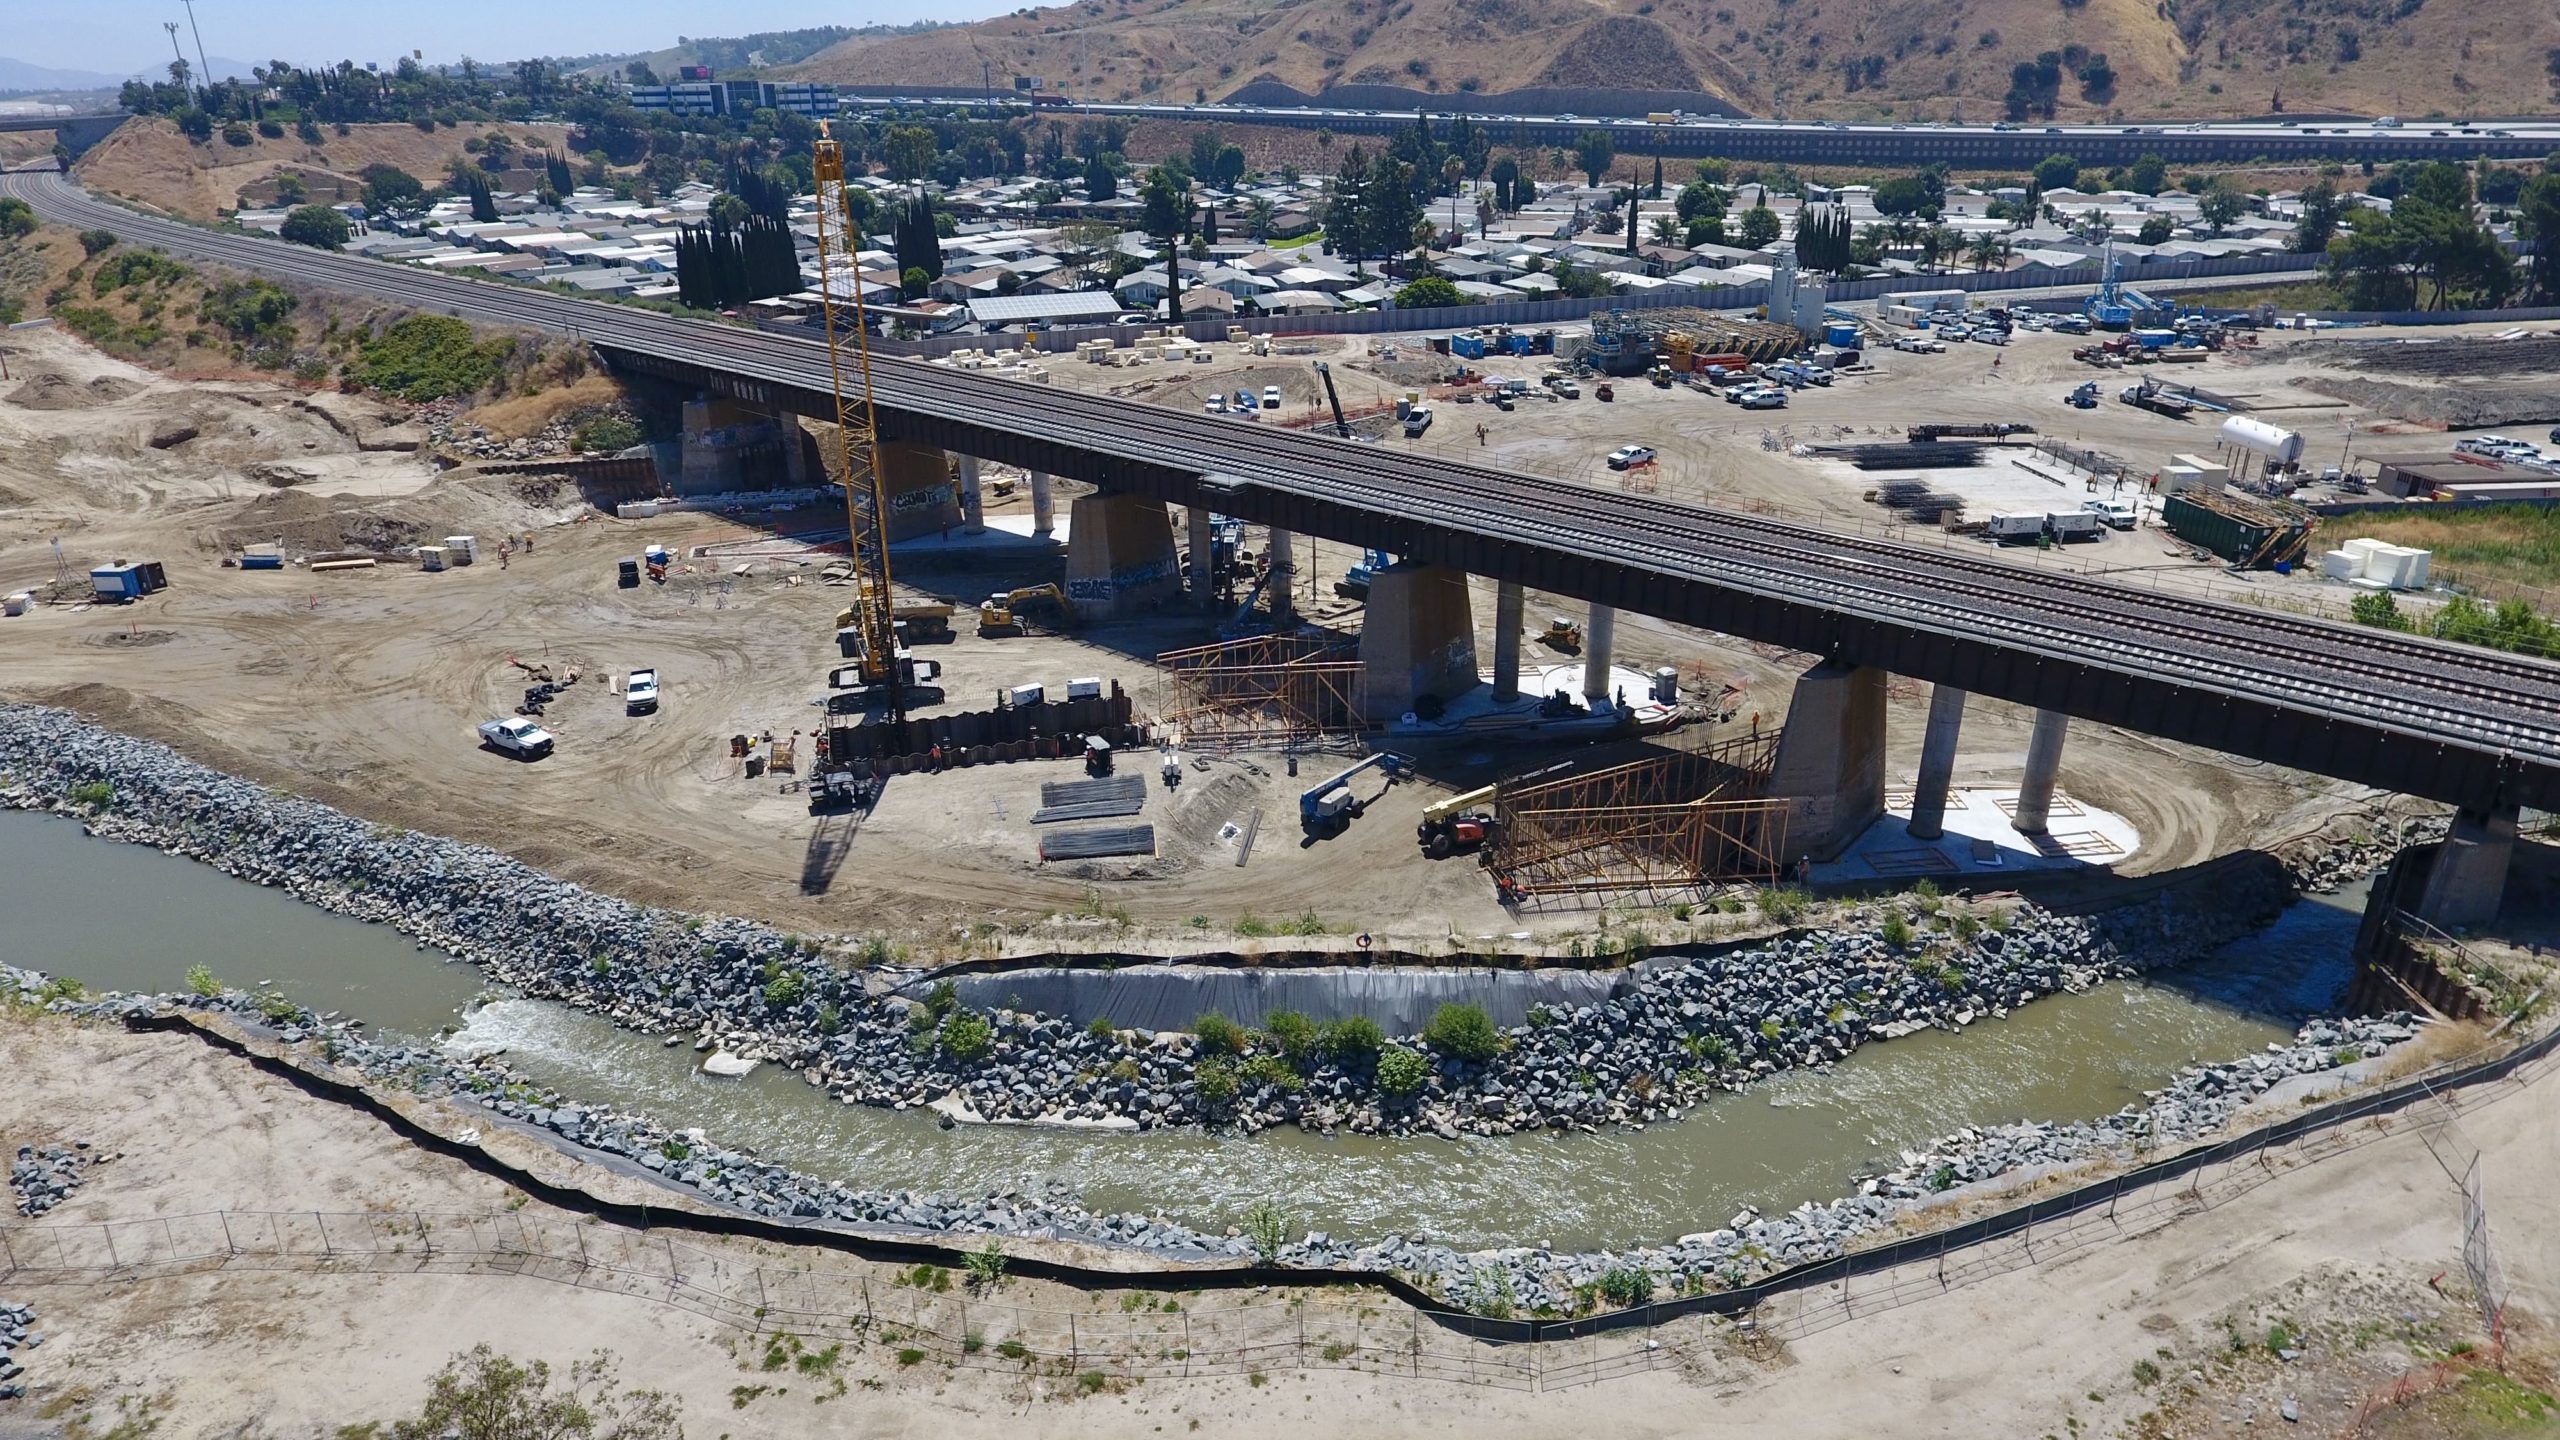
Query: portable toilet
[[461, 549]]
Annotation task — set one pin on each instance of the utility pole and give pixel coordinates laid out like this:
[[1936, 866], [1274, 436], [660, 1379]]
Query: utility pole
[[174, 47], [205, 72]]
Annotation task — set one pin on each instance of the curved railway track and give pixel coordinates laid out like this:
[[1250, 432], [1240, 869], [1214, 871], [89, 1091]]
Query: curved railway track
[[2323, 671]]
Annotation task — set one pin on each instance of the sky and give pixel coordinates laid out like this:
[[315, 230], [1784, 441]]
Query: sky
[[123, 36]]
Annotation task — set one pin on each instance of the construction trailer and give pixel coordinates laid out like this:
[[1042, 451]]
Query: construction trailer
[[2252, 534], [127, 580]]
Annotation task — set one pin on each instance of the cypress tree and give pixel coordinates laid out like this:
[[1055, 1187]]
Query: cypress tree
[[484, 206]]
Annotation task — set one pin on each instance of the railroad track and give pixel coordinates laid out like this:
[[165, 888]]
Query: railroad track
[[2423, 690]]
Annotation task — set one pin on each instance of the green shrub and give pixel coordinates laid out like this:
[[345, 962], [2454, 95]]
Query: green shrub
[[94, 241], [986, 1266], [1402, 1071], [1294, 1033], [1102, 1028], [1012, 1349], [1352, 1039], [317, 226], [135, 268], [1218, 1034], [1623, 1287], [17, 218], [941, 999], [1896, 931], [1307, 923], [1271, 1070], [2145, 1373], [1463, 1032], [910, 1356], [200, 981], [1251, 924], [1267, 1227], [965, 1036], [606, 432], [1215, 1082], [96, 794], [429, 357], [784, 990]]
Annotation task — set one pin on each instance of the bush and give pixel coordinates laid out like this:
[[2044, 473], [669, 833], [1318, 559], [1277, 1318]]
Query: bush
[[1218, 1034], [1271, 1070], [986, 1266], [236, 133], [1463, 1032], [966, 1036], [606, 432], [1215, 1082], [1294, 1033], [1429, 293], [1267, 1227], [784, 990], [1402, 1071], [1896, 931], [317, 226], [429, 357], [1623, 1287], [246, 309], [94, 241], [96, 794], [200, 981], [17, 218], [272, 129], [135, 268], [1352, 1040], [483, 1395]]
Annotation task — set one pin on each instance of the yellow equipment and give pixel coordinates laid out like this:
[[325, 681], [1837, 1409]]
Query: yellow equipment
[[1478, 799], [879, 666], [1564, 635], [1661, 377], [923, 620], [1002, 614]]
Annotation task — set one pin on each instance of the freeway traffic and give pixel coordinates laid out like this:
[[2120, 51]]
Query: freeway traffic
[[2463, 724]]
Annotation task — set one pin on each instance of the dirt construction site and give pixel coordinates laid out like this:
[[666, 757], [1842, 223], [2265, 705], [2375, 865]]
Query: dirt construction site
[[362, 687]]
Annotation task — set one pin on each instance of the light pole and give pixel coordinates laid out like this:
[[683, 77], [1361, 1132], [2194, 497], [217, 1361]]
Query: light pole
[[204, 67], [174, 48]]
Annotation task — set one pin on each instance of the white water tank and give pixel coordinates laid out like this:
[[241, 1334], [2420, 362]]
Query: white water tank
[[2276, 443]]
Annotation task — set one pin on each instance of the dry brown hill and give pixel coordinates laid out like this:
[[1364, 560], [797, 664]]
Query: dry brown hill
[[1931, 59], [148, 159]]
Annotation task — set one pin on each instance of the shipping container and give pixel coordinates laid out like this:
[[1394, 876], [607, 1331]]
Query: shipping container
[[2245, 534]]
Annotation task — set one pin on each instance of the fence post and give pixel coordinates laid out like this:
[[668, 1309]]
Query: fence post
[[426, 1242], [109, 1231], [230, 1247], [1075, 1352], [1417, 1340]]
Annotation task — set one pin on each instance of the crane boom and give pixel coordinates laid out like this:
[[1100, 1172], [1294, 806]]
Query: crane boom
[[866, 504], [1341, 426]]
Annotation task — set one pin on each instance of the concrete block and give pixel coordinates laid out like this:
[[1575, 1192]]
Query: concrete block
[[1830, 764]]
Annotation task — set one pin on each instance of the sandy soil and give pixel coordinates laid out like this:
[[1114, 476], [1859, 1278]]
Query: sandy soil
[[2341, 1253], [149, 160], [362, 689]]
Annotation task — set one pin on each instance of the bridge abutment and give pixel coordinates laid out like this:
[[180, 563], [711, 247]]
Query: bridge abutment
[[2044, 766], [917, 482], [2469, 877], [1509, 600], [1120, 558], [1830, 762], [1937, 762], [1418, 638]]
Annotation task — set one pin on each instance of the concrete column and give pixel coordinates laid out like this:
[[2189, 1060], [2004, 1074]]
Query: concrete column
[[1284, 570], [1044, 506], [973, 510], [2044, 763], [1120, 558], [1599, 647], [923, 500], [1204, 590], [2469, 877], [1830, 762], [796, 445], [1417, 638], [710, 454], [1937, 762], [1508, 600]]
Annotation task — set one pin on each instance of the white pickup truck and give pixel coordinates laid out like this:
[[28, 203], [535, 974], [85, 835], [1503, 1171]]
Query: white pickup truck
[[517, 736], [640, 692]]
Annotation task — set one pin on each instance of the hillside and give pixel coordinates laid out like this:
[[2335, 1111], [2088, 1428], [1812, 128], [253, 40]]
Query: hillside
[[146, 159], [1926, 59]]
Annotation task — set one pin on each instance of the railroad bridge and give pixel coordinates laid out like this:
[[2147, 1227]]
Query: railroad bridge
[[2473, 728]]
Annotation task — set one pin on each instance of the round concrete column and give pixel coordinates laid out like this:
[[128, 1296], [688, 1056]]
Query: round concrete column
[[1599, 648], [2044, 763], [1937, 762]]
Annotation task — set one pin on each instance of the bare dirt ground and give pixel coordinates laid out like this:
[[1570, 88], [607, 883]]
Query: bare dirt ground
[[361, 689], [2170, 1328], [149, 160]]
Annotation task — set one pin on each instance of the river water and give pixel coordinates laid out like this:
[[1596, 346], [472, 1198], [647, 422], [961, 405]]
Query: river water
[[123, 917]]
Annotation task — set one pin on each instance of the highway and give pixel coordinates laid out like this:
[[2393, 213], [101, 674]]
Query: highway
[[2464, 725], [1885, 142]]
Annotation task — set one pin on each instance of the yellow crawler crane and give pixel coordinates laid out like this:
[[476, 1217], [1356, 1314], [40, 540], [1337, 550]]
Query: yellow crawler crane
[[881, 666]]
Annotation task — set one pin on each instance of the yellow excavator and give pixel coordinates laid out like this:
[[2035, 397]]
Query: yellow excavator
[[1562, 634], [1001, 613]]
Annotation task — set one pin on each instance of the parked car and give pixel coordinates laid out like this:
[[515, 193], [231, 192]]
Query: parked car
[[1629, 455], [640, 692], [1764, 399], [1216, 405], [516, 736], [1270, 397]]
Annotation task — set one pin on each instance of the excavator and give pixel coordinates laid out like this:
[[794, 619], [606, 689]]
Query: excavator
[[1001, 613]]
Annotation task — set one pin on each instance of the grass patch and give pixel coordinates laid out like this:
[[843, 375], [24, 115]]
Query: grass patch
[[2509, 544]]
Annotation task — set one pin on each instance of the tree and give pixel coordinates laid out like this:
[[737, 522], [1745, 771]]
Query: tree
[[1099, 183], [2378, 609], [1759, 227], [1595, 153], [1166, 197], [1822, 238], [2222, 204], [317, 226], [1259, 216], [2057, 172], [93, 242], [1666, 230], [2538, 220], [2149, 175], [2318, 224], [390, 190], [1429, 293], [908, 152], [1608, 222], [484, 204], [1905, 195], [1506, 174], [17, 218], [2156, 230], [482, 1395]]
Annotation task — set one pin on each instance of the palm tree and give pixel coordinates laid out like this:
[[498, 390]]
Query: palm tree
[[1873, 239], [1259, 215], [1666, 230], [1984, 250]]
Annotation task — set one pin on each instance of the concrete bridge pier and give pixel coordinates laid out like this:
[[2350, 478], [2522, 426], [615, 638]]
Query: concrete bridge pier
[[1830, 761], [2044, 764], [1284, 572], [2469, 878], [973, 510], [1120, 556], [1599, 648], [1509, 599], [1044, 504], [1418, 638], [1204, 570], [1937, 762]]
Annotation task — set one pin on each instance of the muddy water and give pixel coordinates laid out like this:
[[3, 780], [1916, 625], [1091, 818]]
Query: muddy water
[[121, 916]]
